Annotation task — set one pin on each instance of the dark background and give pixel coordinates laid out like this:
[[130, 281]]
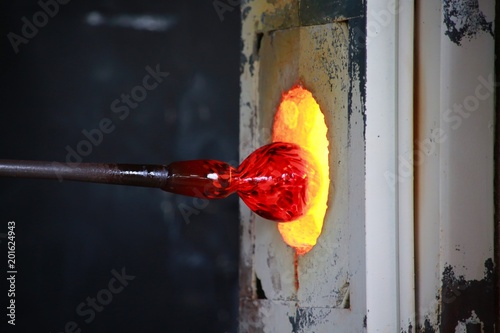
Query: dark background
[[70, 236]]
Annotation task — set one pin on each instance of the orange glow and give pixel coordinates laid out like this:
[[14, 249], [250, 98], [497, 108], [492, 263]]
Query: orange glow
[[299, 120]]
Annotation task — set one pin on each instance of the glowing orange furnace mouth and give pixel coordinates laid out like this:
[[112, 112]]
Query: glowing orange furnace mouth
[[299, 120]]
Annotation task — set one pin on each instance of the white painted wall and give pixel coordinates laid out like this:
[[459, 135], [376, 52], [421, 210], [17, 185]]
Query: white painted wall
[[455, 113]]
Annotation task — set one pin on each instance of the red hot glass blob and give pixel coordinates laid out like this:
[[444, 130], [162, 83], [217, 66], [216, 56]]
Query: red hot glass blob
[[274, 181]]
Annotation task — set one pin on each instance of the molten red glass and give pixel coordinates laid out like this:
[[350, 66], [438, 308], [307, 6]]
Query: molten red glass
[[277, 181], [274, 181]]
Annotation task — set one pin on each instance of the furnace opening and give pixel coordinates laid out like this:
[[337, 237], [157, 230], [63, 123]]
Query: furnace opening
[[299, 120]]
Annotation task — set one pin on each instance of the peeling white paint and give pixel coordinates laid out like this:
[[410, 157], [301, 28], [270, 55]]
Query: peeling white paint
[[473, 319], [455, 196]]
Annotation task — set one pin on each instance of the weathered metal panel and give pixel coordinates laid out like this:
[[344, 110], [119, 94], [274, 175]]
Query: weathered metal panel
[[331, 296], [317, 57], [455, 137], [381, 158]]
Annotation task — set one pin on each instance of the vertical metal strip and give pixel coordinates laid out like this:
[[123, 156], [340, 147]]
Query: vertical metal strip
[[497, 164], [426, 162], [381, 170], [405, 10]]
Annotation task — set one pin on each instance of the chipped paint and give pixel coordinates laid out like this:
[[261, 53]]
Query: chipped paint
[[464, 305], [409, 329], [454, 188], [243, 62], [466, 299], [464, 20], [305, 318], [428, 328], [357, 72], [244, 12]]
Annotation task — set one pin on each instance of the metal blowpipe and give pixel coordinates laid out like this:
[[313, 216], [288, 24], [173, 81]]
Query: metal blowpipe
[[273, 181]]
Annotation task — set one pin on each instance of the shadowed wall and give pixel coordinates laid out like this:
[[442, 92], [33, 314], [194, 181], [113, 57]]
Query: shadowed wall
[[64, 86]]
